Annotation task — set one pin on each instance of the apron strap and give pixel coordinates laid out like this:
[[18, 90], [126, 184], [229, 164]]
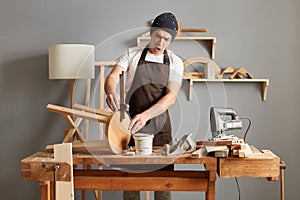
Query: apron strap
[[144, 53]]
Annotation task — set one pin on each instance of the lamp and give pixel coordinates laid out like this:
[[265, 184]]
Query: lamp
[[71, 61]]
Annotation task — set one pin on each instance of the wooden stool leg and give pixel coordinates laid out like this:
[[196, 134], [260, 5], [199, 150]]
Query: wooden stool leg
[[147, 195], [282, 168]]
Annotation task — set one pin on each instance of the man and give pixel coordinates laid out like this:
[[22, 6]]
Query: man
[[154, 76]]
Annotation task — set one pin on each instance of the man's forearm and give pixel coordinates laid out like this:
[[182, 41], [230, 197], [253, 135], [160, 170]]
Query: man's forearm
[[111, 84], [112, 79], [162, 105]]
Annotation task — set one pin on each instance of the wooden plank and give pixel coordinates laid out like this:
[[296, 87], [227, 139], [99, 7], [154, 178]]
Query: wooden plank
[[102, 112], [157, 173], [141, 183], [87, 146], [64, 190], [198, 30], [214, 143], [77, 113]]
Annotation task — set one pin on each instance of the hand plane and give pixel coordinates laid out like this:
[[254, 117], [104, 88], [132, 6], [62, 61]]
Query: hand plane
[[184, 145]]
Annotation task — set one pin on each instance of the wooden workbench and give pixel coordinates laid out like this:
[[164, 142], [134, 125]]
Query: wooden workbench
[[39, 167]]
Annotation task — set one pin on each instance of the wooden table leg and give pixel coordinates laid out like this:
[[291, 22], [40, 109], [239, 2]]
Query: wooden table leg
[[210, 193], [46, 192], [282, 168]]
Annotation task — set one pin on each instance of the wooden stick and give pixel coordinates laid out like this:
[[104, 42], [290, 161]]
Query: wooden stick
[[77, 113], [101, 103], [77, 132], [69, 135], [194, 30], [72, 83], [122, 96], [102, 112], [87, 103]]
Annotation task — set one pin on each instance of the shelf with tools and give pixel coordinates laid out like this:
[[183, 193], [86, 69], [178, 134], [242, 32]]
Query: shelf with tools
[[237, 74], [265, 84]]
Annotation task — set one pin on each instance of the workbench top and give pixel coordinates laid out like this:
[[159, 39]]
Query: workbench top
[[260, 164], [97, 152]]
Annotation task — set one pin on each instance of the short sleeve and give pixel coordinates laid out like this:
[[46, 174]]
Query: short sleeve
[[176, 71], [123, 60]]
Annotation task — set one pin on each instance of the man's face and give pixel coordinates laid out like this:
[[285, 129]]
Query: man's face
[[159, 41]]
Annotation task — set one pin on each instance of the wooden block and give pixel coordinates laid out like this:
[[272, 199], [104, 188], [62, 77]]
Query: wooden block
[[216, 148], [246, 150], [235, 147], [235, 152], [219, 151], [191, 75], [199, 153]]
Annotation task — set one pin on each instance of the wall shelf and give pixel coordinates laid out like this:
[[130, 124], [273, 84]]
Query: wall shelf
[[265, 84]]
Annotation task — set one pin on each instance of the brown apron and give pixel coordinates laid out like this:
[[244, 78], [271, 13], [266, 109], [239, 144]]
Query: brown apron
[[148, 87]]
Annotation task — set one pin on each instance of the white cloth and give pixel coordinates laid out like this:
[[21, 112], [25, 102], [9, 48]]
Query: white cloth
[[130, 58]]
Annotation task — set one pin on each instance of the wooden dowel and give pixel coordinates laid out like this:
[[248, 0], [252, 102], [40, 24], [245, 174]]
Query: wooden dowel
[[193, 30], [77, 113]]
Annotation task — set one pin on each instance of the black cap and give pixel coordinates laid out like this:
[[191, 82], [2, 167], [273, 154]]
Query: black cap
[[167, 22]]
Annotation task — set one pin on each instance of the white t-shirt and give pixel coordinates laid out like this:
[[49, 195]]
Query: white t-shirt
[[129, 61]]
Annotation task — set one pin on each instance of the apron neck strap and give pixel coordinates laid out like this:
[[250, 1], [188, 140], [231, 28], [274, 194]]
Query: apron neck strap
[[144, 53]]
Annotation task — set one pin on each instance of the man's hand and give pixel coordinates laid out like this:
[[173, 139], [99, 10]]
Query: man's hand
[[113, 98], [113, 101], [138, 122]]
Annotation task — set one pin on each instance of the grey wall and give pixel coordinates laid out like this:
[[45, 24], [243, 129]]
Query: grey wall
[[259, 35]]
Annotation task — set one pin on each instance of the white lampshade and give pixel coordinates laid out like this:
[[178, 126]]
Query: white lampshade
[[71, 61]]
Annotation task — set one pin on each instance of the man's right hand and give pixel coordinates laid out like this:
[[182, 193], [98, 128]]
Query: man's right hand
[[113, 101]]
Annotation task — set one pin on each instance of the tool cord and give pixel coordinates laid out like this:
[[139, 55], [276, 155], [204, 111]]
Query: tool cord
[[245, 135], [238, 188], [55, 169], [249, 125]]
